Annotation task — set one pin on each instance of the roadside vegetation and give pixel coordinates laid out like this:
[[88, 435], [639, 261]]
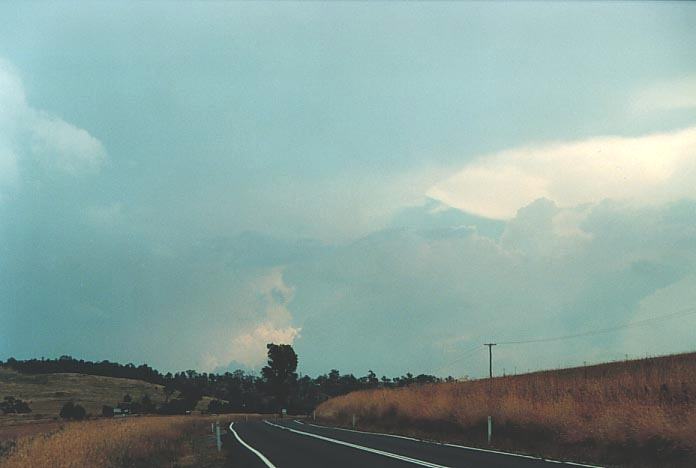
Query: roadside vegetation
[[145, 441], [45, 395], [175, 393], [640, 412]]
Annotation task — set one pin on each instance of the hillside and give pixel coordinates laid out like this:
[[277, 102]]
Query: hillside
[[46, 393], [638, 413]]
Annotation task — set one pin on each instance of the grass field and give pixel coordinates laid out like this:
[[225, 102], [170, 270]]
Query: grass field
[[40, 438], [144, 441], [150, 441], [47, 393], [638, 413]]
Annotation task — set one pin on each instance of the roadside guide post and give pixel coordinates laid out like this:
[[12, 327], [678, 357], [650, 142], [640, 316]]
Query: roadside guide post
[[490, 429], [217, 436]]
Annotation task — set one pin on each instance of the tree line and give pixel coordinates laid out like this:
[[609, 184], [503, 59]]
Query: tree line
[[278, 386]]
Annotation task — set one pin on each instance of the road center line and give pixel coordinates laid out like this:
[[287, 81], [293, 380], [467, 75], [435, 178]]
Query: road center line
[[360, 447], [253, 450]]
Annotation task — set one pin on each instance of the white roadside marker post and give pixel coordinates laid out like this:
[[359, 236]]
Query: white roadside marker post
[[314, 415], [217, 436], [353, 421], [490, 429]]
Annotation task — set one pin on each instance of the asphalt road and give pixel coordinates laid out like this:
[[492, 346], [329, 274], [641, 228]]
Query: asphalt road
[[293, 444]]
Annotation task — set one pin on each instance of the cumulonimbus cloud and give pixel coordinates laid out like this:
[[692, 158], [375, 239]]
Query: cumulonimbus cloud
[[28, 132], [271, 323], [650, 169]]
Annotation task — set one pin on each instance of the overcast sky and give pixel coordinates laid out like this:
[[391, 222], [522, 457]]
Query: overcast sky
[[384, 185]]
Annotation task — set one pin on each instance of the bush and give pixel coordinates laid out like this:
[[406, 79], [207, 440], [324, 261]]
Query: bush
[[73, 411], [11, 404], [108, 411], [220, 407]]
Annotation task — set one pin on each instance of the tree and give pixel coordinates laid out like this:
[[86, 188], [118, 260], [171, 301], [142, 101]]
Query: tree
[[11, 404], [219, 407], [370, 380], [147, 405], [279, 375], [79, 413], [72, 411], [169, 388]]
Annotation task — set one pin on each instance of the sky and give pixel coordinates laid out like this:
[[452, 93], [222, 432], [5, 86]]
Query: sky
[[384, 186]]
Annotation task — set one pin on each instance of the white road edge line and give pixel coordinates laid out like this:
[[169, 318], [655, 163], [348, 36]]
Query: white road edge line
[[253, 450], [360, 447], [478, 449]]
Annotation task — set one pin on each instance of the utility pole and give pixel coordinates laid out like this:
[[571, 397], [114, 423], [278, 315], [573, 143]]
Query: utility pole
[[490, 358], [490, 389]]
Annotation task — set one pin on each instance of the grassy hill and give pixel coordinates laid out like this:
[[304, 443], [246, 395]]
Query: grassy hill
[[47, 393], [638, 413]]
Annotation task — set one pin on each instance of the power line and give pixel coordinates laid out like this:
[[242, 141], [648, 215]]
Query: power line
[[637, 323], [680, 313], [468, 353]]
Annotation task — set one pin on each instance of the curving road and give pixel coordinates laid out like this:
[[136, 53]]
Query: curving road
[[294, 444]]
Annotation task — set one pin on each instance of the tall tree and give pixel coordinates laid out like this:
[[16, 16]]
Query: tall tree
[[279, 374]]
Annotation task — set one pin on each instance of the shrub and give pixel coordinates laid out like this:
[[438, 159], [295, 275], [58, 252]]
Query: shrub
[[220, 407], [11, 404], [73, 411], [108, 411]]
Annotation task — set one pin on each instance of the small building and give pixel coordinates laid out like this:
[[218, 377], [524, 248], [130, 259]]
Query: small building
[[121, 412]]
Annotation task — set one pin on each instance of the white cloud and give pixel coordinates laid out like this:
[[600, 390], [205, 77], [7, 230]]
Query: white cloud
[[250, 348], [27, 133], [668, 95], [414, 301], [651, 169], [371, 199], [270, 323], [65, 147]]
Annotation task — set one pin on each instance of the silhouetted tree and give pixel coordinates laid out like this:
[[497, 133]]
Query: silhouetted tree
[[243, 392], [11, 404], [169, 388], [220, 407], [279, 374], [370, 380], [147, 405], [72, 411]]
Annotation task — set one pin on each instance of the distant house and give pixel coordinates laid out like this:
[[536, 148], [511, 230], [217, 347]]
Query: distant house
[[120, 411]]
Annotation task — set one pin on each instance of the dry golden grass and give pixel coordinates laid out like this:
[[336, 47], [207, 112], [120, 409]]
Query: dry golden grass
[[137, 441], [647, 404]]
